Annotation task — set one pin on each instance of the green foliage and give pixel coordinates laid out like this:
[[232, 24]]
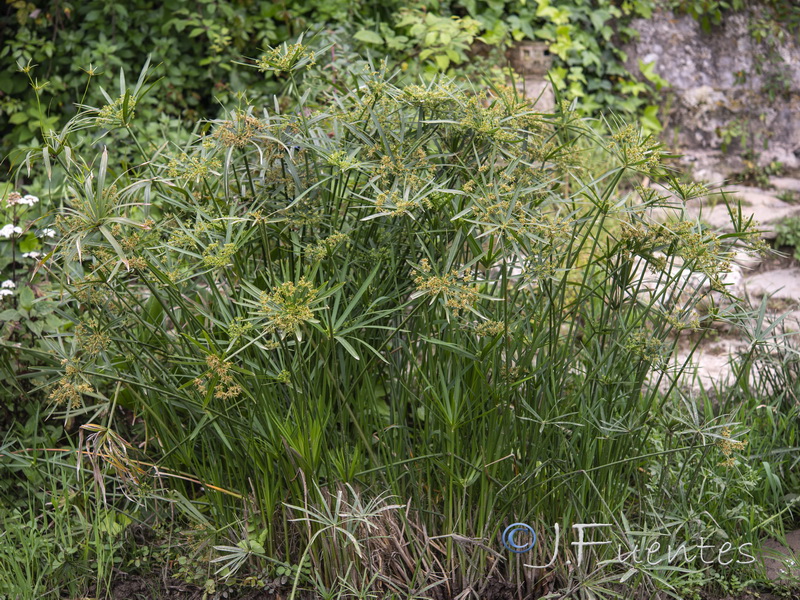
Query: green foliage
[[57, 537], [51, 57], [25, 316], [755, 174], [437, 41], [789, 196], [443, 40], [586, 39], [365, 286], [789, 235], [71, 49], [710, 13], [410, 290]]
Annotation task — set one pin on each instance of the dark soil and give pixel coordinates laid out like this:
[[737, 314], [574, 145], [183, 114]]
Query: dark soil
[[154, 587]]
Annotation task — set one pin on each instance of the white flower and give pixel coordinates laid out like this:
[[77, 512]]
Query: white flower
[[8, 230], [47, 232], [27, 200], [5, 293], [34, 255], [8, 284]]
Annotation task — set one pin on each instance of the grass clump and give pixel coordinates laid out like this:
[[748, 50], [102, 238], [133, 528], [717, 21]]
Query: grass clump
[[361, 340]]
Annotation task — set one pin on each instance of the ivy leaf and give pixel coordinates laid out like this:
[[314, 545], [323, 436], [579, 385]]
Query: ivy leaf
[[649, 72], [599, 17], [649, 119]]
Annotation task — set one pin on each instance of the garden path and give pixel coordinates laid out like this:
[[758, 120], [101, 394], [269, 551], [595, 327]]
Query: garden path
[[776, 278]]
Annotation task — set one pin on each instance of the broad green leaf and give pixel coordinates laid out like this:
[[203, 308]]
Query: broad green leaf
[[18, 118], [26, 298], [29, 243], [10, 315], [370, 37]]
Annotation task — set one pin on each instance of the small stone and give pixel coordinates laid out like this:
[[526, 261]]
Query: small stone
[[746, 261], [781, 283], [710, 365], [767, 210], [785, 183]]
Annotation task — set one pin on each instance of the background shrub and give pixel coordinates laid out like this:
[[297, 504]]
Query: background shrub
[[69, 51]]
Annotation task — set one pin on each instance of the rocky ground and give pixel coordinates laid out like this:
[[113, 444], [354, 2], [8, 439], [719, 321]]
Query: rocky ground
[[773, 280], [774, 283]]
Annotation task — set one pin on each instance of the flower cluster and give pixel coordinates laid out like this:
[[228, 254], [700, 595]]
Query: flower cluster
[[91, 338], [15, 198], [7, 287], [214, 256], [634, 149], [342, 161], [114, 114], [286, 58], [238, 131], [413, 167], [70, 389], [192, 168], [430, 98], [226, 388], [288, 306], [325, 246], [10, 230], [648, 347], [677, 320], [490, 328], [395, 204], [486, 122], [702, 251], [727, 446], [239, 327], [457, 295]]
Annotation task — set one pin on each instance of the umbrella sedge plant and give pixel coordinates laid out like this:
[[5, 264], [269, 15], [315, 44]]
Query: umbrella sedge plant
[[439, 298]]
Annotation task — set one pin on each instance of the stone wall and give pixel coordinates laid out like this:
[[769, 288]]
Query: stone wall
[[716, 87]]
